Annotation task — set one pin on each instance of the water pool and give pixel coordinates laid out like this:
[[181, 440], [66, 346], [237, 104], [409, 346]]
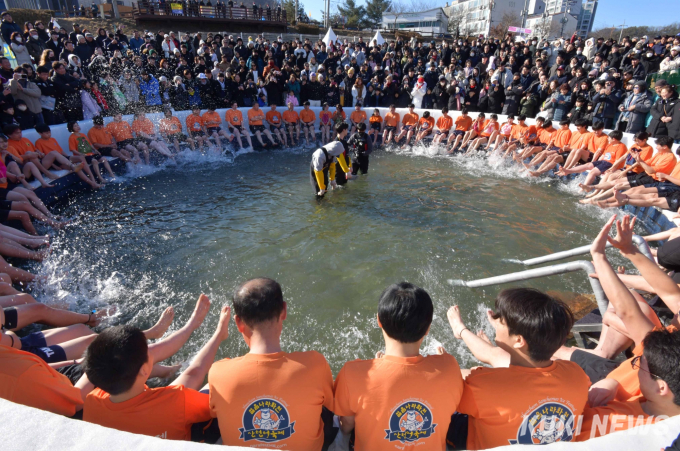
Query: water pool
[[161, 237]]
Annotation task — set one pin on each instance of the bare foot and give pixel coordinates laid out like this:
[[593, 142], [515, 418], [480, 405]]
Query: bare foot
[[77, 167], [45, 185], [200, 312], [585, 201], [164, 371], [534, 173], [621, 199], [96, 317], [52, 175], [586, 188], [164, 322]]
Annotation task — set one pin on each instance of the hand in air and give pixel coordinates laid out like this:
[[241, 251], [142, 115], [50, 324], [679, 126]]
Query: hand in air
[[321, 193], [223, 326], [624, 235], [455, 321], [600, 242]]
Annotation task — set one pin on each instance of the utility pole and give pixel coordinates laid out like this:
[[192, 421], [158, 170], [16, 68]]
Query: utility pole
[[622, 27]]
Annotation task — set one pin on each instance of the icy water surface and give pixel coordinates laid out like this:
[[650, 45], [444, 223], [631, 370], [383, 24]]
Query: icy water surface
[[161, 236]]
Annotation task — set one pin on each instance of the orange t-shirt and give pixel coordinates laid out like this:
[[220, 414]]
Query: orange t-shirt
[[255, 117], [290, 116], [338, 114], [170, 125], [271, 400], [143, 126], [489, 128], [518, 131], [444, 123], [499, 401], [165, 412], [307, 116], [463, 123], [545, 135], [48, 145], [375, 119], [597, 142], [100, 136], [426, 123], [273, 117], [26, 379], [579, 140], [398, 401], [357, 116], [212, 120], [325, 117], [613, 152], [194, 123], [120, 130], [73, 143], [615, 416], [663, 162], [410, 119], [19, 148], [561, 138], [234, 117], [646, 153], [391, 119], [530, 133]]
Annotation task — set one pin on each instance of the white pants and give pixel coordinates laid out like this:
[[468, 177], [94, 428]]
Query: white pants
[[315, 103]]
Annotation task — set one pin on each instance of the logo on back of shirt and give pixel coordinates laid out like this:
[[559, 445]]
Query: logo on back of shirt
[[547, 423], [410, 421], [266, 420]]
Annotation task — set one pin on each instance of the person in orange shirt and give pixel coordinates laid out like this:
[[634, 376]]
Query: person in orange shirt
[[525, 398], [376, 122], [325, 124], [425, 127], [269, 398], [489, 129], [602, 161], [475, 129], [307, 120], [358, 116], [592, 147], [544, 132], [104, 142], [292, 123], [408, 126], [145, 135], [558, 141], [119, 362], [196, 127], [212, 122], [25, 154], [170, 128], [338, 117], [275, 122], [578, 142], [122, 134], [79, 143], [380, 399], [46, 157], [502, 137], [234, 119], [256, 119], [391, 125], [444, 124], [662, 163], [463, 124]]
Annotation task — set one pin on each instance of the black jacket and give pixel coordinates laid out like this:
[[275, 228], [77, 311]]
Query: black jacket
[[660, 109]]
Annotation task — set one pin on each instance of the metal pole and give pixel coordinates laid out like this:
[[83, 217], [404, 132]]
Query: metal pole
[[622, 27], [639, 242], [562, 268]]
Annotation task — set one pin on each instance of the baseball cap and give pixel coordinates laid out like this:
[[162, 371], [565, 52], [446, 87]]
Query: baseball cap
[[201, 76]]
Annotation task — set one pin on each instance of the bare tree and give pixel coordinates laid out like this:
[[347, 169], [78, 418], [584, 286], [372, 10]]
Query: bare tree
[[402, 7], [546, 28], [457, 17], [508, 20]]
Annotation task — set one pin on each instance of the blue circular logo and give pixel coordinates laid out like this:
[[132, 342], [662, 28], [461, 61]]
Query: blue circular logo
[[551, 422], [410, 421], [266, 420]]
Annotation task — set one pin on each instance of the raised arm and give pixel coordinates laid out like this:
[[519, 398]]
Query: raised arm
[[483, 350]]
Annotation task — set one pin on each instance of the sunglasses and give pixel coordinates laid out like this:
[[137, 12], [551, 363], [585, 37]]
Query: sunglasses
[[635, 363]]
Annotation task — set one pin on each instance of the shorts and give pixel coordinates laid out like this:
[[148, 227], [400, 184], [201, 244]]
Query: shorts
[[459, 132], [588, 159], [665, 189], [407, 128], [602, 165], [74, 372], [5, 204], [308, 125], [440, 132], [195, 134], [237, 127], [4, 216], [426, 132], [375, 126], [146, 141], [457, 434], [212, 130], [673, 200], [105, 151], [542, 146], [178, 136], [639, 179], [256, 128], [595, 367], [556, 149], [11, 318], [389, 129], [4, 192], [35, 344], [126, 142]]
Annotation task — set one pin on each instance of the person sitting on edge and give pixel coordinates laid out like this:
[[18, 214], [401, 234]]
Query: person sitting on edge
[[463, 124], [372, 394], [269, 398], [103, 141], [425, 127], [391, 125], [234, 120], [79, 143], [408, 126], [443, 127], [602, 160], [170, 128], [357, 117], [256, 119], [491, 127], [544, 133], [122, 134], [119, 362], [592, 147], [275, 122], [213, 122], [578, 142], [658, 363], [291, 121], [145, 137], [307, 120], [24, 154], [376, 123], [501, 405], [196, 127]]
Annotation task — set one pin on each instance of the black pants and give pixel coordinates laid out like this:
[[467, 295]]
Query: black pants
[[456, 436], [360, 162]]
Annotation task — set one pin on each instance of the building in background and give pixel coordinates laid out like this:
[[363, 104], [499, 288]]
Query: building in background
[[587, 18], [431, 22], [475, 17], [558, 18]]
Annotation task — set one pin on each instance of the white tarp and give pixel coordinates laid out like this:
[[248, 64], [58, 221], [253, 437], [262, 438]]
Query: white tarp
[[378, 38], [330, 37], [26, 429]]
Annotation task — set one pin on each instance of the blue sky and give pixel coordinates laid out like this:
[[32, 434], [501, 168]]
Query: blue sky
[[609, 12]]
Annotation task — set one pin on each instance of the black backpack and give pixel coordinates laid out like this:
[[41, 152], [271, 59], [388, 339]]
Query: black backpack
[[359, 143]]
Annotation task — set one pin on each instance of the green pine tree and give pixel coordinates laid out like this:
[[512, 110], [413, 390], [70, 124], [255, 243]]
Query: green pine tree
[[375, 10], [353, 13]]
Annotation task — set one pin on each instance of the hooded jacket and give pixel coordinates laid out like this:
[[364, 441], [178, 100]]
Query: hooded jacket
[[30, 94], [643, 104]]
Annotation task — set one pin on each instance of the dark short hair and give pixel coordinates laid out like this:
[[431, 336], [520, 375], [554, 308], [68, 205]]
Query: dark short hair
[[70, 125], [411, 105], [10, 128], [522, 117], [405, 312], [342, 126], [581, 123], [597, 125], [445, 110], [616, 134], [666, 141], [113, 360], [98, 120], [542, 320], [426, 114], [42, 128], [42, 70], [547, 123], [662, 352], [565, 122], [258, 300], [641, 136], [464, 111]]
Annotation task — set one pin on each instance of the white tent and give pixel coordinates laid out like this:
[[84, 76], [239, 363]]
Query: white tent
[[330, 37], [378, 38]]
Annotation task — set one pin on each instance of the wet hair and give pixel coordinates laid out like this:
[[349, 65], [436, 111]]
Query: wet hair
[[597, 126], [581, 123], [405, 312], [445, 110], [662, 352], [113, 360], [565, 122], [361, 126], [342, 126], [616, 134], [546, 123], [411, 105], [426, 114], [665, 141], [306, 103], [258, 300], [70, 125], [641, 136], [98, 120], [464, 111], [42, 128], [10, 128], [543, 321]]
